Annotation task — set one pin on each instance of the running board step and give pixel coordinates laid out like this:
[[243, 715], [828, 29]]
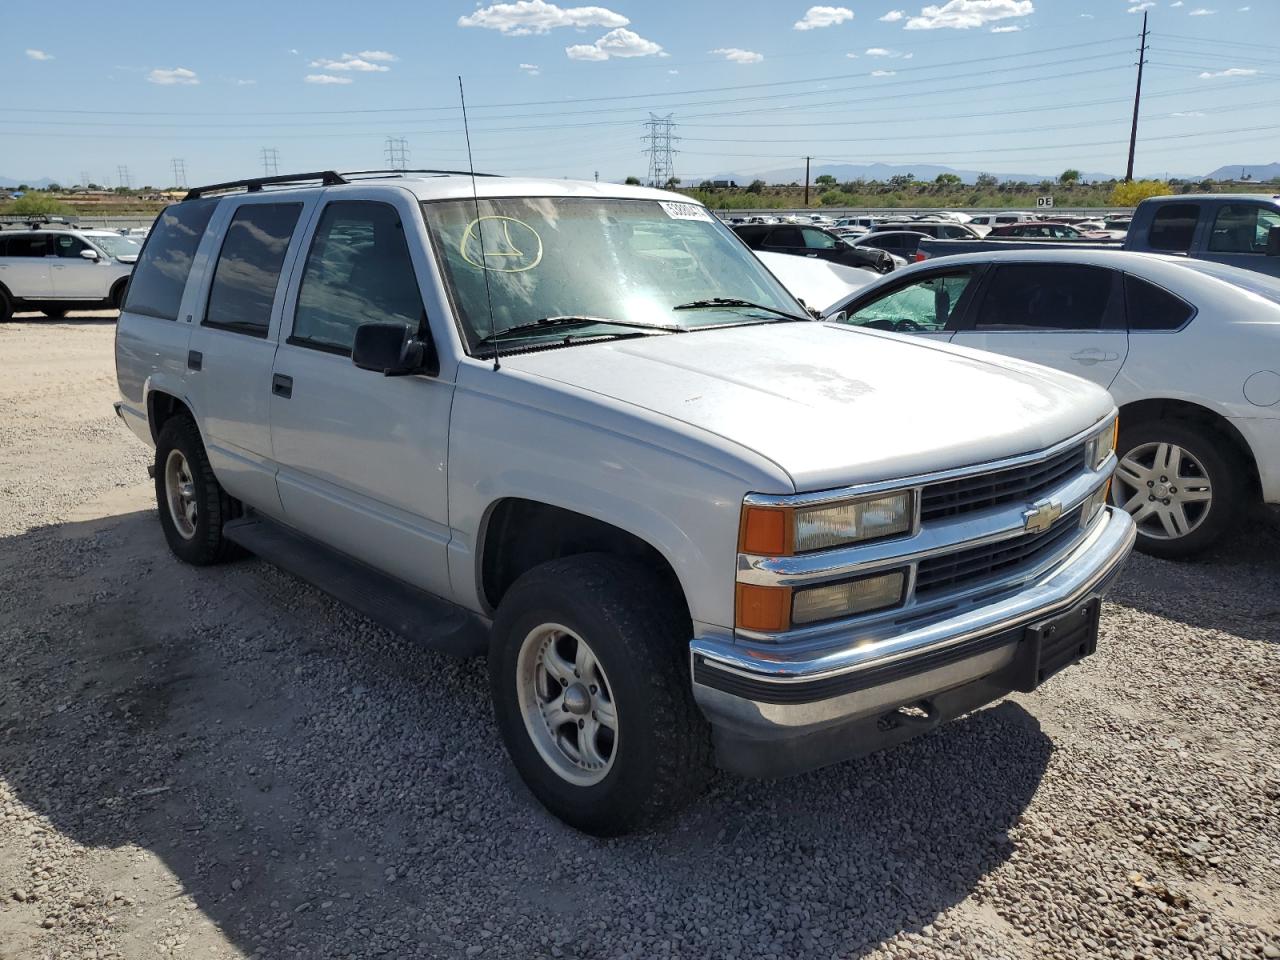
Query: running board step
[[392, 603]]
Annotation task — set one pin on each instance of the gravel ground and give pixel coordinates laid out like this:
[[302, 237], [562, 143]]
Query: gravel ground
[[224, 763]]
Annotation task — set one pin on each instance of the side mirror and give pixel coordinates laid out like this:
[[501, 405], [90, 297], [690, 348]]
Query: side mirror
[[839, 316], [393, 350], [1273, 242], [89, 254]]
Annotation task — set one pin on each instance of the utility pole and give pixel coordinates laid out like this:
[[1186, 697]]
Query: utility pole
[[1137, 99], [806, 180], [397, 153], [661, 156], [270, 161], [179, 171]]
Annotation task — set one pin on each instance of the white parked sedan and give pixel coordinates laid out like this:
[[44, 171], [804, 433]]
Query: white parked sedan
[[1189, 349]]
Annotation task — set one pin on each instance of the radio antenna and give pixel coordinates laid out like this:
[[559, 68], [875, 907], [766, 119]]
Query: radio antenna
[[475, 198]]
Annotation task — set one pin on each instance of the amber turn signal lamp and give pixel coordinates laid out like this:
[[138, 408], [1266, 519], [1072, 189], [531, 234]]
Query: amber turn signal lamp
[[765, 531], [766, 609]]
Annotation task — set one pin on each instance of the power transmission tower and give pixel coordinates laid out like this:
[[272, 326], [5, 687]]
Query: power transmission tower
[[662, 168], [84, 178], [270, 161], [179, 172], [397, 153], [122, 172], [1137, 99]]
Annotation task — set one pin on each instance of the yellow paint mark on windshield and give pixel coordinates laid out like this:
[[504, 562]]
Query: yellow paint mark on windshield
[[519, 246]]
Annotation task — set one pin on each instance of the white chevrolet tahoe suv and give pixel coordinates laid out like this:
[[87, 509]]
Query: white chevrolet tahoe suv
[[579, 428], [57, 270]]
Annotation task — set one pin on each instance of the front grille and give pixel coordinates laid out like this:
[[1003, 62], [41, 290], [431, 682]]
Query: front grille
[[965, 568], [953, 497]]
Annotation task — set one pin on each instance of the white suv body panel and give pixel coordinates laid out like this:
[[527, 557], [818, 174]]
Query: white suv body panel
[[53, 279]]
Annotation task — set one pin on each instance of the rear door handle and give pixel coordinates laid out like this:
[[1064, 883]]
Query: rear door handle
[[281, 385], [195, 360]]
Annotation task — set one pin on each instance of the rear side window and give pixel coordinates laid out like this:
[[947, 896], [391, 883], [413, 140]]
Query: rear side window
[[248, 268], [1173, 226], [358, 271], [27, 245], [1154, 308], [1047, 296], [156, 286], [785, 237]]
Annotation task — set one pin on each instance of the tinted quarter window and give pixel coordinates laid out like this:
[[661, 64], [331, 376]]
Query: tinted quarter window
[[358, 271], [1154, 308], [1173, 226], [1046, 296], [1242, 228], [28, 245], [248, 268], [785, 237], [157, 282]]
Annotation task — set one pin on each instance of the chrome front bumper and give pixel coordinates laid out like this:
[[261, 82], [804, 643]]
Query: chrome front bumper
[[765, 700]]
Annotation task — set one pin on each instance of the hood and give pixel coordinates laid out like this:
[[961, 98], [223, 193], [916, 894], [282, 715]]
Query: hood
[[834, 405]]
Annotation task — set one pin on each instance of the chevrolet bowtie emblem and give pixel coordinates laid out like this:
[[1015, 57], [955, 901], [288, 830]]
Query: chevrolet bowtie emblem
[[1041, 515]]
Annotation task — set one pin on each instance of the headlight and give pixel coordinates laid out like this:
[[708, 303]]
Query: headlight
[[1102, 443], [780, 531], [833, 600]]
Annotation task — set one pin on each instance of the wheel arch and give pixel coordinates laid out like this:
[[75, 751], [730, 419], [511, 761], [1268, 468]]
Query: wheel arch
[[1150, 410], [163, 406], [518, 534]]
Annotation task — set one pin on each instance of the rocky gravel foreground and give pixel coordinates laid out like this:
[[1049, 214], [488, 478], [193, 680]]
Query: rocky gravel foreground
[[224, 763]]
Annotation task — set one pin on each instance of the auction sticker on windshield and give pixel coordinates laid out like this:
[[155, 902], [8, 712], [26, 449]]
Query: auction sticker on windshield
[[685, 211]]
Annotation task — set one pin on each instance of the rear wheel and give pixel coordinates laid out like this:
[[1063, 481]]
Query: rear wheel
[[1183, 489], [588, 669], [193, 506], [117, 295]]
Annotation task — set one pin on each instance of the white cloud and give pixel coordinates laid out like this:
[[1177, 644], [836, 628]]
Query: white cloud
[[1187, 113], [884, 73], [881, 52], [893, 16], [616, 43], [532, 69], [817, 17], [1139, 7], [1013, 28], [1229, 72], [964, 14], [379, 55], [1087, 16], [1176, 3], [324, 78], [178, 75], [852, 56], [1201, 12], [244, 83], [1243, 9], [350, 62], [294, 51], [39, 55], [673, 72], [524, 17], [736, 55]]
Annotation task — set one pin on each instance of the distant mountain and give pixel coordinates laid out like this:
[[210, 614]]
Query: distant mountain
[[1254, 171], [40, 183], [928, 172]]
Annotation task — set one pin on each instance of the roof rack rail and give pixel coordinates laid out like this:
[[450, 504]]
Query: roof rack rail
[[455, 173], [254, 184]]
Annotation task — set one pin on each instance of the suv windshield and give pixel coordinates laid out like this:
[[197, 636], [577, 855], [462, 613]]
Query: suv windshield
[[626, 260], [119, 246]]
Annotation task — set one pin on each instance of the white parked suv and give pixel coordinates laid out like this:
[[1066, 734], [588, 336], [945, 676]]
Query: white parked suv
[[683, 520], [1188, 348], [57, 270]]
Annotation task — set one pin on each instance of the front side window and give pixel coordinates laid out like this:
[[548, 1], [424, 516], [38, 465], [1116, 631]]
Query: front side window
[[634, 261], [1046, 296], [248, 268], [358, 271], [1173, 227], [926, 305], [157, 282], [819, 240], [66, 245], [1242, 228]]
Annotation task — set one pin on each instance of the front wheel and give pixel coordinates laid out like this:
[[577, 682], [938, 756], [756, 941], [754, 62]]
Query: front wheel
[[1183, 489], [588, 670]]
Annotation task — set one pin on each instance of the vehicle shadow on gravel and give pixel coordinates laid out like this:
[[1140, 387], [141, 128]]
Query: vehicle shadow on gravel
[[1233, 587], [320, 788], [96, 319]]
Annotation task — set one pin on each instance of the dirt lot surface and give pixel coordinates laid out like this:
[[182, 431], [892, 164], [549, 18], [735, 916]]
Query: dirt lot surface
[[223, 763]]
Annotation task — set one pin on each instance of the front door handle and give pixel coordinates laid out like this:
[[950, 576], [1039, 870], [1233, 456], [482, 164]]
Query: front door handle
[[195, 360], [1093, 355], [281, 385]]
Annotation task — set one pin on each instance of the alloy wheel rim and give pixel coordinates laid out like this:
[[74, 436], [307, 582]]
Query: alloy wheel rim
[[1165, 488], [180, 493], [567, 704]]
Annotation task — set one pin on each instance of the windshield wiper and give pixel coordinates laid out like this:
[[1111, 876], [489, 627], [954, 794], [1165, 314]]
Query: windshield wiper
[[715, 302], [549, 323]]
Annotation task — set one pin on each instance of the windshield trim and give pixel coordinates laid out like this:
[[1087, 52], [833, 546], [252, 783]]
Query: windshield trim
[[487, 354]]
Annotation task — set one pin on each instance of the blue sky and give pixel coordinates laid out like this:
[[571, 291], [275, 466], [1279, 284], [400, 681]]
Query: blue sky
[[562, 90]]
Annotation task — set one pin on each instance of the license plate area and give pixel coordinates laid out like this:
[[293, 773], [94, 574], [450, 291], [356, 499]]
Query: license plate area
[[1056, 643]]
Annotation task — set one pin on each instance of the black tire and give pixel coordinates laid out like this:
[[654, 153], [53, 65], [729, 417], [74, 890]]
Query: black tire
[[117, 295], [214, 507], [54, 313], [6, 306], [1221, 467], [663, 748]]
